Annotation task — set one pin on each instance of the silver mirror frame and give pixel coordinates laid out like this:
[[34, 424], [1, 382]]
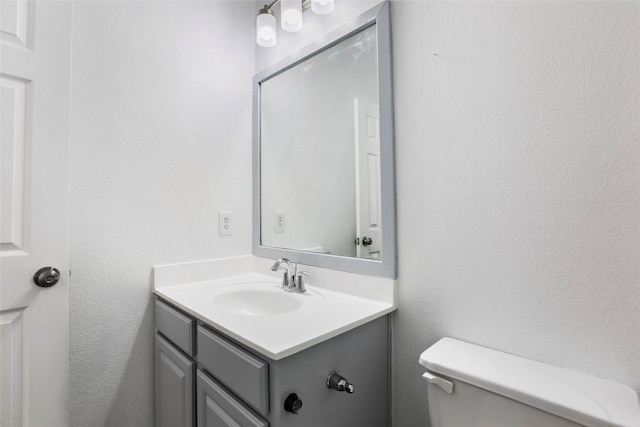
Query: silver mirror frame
[[387, 266]]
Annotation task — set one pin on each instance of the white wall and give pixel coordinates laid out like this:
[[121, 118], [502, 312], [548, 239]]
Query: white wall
[[160, 142], [518, 169]]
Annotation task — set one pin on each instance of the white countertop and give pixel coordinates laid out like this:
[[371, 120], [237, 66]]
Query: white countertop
[[324, 314]]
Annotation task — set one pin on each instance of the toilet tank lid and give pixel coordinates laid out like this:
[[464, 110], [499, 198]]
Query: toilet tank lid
[[578, 397]]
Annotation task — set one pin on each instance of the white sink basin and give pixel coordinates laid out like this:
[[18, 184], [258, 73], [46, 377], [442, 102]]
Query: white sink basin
[[258, 299], [256, 303], [254, 310]]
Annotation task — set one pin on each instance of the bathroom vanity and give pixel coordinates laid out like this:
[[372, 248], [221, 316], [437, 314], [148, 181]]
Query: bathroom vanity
[[207, 377], [232, 347]]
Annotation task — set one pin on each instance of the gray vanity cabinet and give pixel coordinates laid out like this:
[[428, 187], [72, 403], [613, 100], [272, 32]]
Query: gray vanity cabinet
[[187, 391], [361, 355], [174, 386], [206, 379]]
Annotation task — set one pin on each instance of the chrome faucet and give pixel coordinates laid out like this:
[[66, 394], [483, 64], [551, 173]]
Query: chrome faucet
[[288, 267], [292, 279]]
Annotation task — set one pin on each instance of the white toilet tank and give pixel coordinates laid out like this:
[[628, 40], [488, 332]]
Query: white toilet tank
[[471, 386]]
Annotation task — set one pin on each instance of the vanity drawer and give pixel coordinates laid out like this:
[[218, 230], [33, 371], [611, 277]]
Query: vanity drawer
[[216, 407], [177, 327], [241, 372]]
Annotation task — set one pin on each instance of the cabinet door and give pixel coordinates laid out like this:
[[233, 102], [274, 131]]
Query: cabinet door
[[217, 408], [174, 386]]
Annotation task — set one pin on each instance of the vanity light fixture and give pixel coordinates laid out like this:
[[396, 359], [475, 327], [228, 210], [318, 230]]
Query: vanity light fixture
[[322, 7], [290, 18], [266, 28], [291, 15]]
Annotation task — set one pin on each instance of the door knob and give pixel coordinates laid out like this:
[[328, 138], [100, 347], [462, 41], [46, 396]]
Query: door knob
[[46, 277], [366, 241]]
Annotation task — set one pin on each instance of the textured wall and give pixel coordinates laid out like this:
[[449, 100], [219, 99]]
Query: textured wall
[[160, 142], [518, 167]]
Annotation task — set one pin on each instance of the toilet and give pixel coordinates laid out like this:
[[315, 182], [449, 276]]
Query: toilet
[[470, 385]]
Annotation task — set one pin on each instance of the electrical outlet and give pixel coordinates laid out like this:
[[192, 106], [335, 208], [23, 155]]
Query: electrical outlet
[[279, 224], [224, 224]]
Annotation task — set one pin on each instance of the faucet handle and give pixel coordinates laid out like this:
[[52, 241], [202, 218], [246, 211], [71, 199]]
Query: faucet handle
[[300, 281]]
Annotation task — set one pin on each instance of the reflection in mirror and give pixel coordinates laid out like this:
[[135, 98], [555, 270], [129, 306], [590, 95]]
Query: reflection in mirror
[[323, 153], [310, 135]]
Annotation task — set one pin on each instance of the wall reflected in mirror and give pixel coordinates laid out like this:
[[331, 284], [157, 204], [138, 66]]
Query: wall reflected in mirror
[[320, 152]]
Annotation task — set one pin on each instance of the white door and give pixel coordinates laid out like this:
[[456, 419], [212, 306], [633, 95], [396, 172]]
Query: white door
[[367, 143], [34, 119]]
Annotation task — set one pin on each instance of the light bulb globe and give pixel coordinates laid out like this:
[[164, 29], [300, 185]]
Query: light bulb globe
[[266, 28], [291, 15], [322, 7]]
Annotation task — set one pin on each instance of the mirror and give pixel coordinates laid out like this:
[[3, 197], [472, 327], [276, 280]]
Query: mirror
[[324, 191]]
